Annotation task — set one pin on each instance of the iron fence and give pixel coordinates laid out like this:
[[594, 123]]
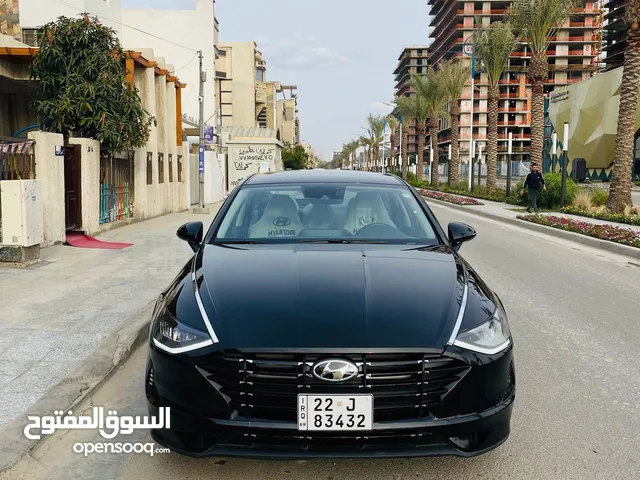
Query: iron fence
[[17, 161], [117, 193]]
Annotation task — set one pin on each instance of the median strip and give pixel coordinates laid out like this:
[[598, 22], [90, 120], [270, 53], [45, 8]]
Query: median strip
[[445, 197], [611, 233]]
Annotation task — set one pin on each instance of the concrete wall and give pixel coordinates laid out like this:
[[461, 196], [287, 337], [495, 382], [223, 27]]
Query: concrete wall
[[245, 157], [50, 172], [90, 183], [193, 29], [35, 13]]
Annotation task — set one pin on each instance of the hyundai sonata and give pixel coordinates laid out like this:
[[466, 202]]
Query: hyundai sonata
[[327, 314]]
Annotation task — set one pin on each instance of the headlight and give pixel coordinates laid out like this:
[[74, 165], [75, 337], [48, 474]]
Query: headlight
[[172, 336], [491, 337]]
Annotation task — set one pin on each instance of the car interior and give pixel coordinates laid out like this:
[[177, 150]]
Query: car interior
[[328, 212]]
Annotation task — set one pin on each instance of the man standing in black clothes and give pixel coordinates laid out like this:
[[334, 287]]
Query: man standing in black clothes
[[534, 182]]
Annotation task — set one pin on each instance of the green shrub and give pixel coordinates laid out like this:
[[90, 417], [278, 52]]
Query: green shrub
[[638, 183], [550, 198], [599, 197]]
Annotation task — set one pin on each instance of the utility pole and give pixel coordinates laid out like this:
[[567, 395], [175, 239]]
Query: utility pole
[[203, 79]]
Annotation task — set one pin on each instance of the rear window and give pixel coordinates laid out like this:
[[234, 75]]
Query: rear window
[[326, 212]]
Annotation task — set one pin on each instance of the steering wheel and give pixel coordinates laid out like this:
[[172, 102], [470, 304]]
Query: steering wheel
[[381, 230]]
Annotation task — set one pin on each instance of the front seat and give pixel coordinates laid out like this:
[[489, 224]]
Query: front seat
[[366, 208], [280, 219]]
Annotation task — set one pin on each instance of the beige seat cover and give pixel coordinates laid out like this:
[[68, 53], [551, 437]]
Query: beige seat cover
[[366, 208], [280, 219]]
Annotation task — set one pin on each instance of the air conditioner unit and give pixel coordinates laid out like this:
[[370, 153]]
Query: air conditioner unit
[[21, 212]]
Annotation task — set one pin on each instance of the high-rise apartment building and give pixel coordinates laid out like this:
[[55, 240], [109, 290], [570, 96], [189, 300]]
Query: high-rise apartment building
[[413, 60], [573, 55], [615, 33]]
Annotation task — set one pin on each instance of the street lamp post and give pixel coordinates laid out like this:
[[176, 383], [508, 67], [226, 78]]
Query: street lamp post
[[469, 50], [471, 164], [509, 152], [565, 148], [479, 165], [554, 149], [431, 164]]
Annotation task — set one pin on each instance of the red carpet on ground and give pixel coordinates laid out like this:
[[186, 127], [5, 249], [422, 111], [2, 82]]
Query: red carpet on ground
[[78, 239]]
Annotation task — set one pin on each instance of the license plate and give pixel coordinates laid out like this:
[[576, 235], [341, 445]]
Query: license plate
[[335, 412]]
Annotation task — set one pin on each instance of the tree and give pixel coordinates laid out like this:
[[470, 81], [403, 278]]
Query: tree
[[376, 137], [352, 148], [454, 76], [620, 190], [83, 89], [493, 47], [393, 123], [366, 143], [536, 21], [409, 109], [430, 90], [294, 157]]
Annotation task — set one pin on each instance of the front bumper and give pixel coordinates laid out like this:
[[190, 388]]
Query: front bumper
[[472, 418], [463, 436]]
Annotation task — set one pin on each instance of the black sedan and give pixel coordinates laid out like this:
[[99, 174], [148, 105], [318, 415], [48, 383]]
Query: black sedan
[[327, 314]]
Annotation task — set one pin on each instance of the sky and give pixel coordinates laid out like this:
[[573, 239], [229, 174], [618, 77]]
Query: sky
[[340, 53]]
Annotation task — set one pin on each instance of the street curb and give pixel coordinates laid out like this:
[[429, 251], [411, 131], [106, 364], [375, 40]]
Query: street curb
[[90, 375], [555, 232]]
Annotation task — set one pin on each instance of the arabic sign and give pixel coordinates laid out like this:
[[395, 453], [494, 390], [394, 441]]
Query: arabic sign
[[257, 154], [558, 96], [109, 426], [208, 135]]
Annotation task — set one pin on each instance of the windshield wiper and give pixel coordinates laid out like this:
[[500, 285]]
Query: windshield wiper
[[341, 240]]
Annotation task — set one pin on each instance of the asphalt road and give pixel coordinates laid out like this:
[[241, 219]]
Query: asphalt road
[[574, 312]]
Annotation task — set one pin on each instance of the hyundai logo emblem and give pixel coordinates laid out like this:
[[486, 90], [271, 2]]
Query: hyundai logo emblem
[[334, 370], [282, 222]]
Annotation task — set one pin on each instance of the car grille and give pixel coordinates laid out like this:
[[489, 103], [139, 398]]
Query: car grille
[[266, 385]]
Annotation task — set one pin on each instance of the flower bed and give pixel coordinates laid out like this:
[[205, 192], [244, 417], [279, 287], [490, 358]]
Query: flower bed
[[479, 192], [607, 216], [445, 197], [611, 233]]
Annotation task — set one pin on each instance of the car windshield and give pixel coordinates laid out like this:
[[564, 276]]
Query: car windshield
[[323, 213]]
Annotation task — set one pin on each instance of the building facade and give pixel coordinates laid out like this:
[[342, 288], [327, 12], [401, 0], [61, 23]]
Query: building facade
[[573, 54], [413, 60], [615, 33]]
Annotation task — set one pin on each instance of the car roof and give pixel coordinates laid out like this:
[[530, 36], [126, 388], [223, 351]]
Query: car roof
[[324, 176]]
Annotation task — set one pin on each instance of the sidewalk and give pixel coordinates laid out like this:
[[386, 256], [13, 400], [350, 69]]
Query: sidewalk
[[54, 315]]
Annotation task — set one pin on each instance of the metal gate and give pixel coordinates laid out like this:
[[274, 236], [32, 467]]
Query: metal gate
[[72, 187], [116, 187], [194, 175]]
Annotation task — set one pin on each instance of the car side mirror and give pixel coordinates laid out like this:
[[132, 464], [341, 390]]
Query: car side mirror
[[460, 233], [192, 234]]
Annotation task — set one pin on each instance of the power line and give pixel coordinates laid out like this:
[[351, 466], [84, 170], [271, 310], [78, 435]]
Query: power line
[[190, 61], [62, 2]]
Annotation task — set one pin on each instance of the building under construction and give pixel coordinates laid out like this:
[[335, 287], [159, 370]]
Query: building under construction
[[413, 60], [615, 33], [573, 55]]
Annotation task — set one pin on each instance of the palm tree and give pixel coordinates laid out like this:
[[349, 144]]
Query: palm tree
[[376, 136], [429, 88], [536, 21], [454, 75], [393, 123], [412, 109], [366, 143], [493, 47], [352, 148], [620, 190]]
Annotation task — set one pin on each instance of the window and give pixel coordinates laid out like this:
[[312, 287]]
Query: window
[[30, 36], [320, 212], [170, 167], [149, 168], [180, 168], [260, 75], [161, 168]]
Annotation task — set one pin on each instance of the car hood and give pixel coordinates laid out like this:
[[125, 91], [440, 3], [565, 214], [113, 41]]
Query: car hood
[[330, 296]]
